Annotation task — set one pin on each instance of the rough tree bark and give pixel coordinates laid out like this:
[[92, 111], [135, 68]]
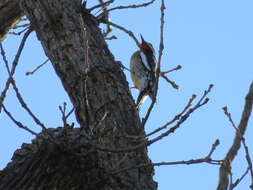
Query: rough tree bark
[[97, 87]]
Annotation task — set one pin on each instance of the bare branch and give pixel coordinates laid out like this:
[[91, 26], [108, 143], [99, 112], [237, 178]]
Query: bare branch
[[173, 84], [19, 124], [5, 59], [163, 75], [206, 159], [145, 142], [107, 3], [233, 185], [184, 117], [177, 117], [247, 155], [14, 65], [21, 26], [19, 33], [225, 168], [214, 146], [225, 109], [37, 68], [105, 17], [64, 115], [171, 70], [158, 66], [123, 66], [249, 160], [132, 6], [24, 105], [144, 120], [113, 37], [129, 32], [161, 46]]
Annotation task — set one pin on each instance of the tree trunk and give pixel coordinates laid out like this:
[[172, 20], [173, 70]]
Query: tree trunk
[[97, 87]]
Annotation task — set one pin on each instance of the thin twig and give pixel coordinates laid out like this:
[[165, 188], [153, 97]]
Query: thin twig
[[64, 115], [5, 59], [249, 160], [163, 75], [105, 17], [19, 124], [225, 109], [37, 68], [145, 119], [206, 159], [35, 119], [158, 66], [184, 117], [113, 37], [132, 6], [233, 185], [123, 66], [169, 131], [177, 117], [107, 3], [173, 84], [20, 32], [24, 105], [214, 146], [171, 70], [14, 65], [129, 32], [161, 46], [21, 26]]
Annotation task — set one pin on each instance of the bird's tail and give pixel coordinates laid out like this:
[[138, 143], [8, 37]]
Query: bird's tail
[[141, 99]]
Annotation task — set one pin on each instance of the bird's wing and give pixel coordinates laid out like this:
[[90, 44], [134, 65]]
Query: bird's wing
[[145, 61]]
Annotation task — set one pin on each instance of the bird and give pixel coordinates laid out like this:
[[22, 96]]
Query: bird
[[143, 71]]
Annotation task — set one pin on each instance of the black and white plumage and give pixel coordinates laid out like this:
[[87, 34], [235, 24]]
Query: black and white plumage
[[142, 67]]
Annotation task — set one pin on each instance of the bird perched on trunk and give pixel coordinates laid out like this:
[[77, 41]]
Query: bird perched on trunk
[[143, 71]]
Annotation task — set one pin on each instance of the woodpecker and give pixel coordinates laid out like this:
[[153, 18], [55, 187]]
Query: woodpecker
[[142, 67]]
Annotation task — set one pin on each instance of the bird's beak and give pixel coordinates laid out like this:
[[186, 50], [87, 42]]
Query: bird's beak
[[142, 39]]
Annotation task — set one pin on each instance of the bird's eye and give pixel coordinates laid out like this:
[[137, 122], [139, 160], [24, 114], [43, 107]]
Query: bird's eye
[[151, 47]]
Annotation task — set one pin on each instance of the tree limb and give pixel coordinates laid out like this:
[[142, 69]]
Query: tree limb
[[225, 168]]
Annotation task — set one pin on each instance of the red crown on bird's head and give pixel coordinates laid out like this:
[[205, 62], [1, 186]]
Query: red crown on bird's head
[[144, 45]]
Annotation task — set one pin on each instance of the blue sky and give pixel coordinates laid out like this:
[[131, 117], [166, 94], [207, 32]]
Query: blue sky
[[211, 40]]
